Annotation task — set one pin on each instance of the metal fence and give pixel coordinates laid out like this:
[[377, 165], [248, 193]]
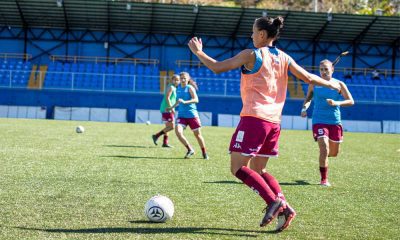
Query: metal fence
[[106, 82]]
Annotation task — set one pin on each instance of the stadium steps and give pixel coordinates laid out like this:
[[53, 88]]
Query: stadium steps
[[36, 79], [163, 74], [295, 89], [32, 77]]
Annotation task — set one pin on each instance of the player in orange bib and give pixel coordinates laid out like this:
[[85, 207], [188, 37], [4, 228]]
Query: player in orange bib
[[264, 77]]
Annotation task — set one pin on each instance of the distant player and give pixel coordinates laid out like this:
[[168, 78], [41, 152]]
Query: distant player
[[188, 115], [263, 85], [326, 120], [168, 115]]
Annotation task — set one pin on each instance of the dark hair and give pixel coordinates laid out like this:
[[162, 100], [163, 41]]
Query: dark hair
[[271, 25]]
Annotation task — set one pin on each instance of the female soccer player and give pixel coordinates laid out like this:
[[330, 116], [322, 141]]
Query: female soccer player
[[188, 115], [168, 115], [326, 120], [263, 90]]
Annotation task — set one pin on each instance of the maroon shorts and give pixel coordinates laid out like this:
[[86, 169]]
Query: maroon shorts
[[167, 117], [256, 137], [194, 123], [333, 132]]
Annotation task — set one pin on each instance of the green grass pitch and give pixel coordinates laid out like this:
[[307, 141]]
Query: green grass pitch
[[57, 184]]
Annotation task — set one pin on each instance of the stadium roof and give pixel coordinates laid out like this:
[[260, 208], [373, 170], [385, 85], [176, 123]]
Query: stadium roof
[[107, 15]]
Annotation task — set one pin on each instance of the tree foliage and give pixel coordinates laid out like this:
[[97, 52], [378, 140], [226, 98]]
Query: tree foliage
[[362, 7]]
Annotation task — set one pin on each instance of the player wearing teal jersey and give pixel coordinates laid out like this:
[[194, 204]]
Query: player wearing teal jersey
[[188, 115], [326, 119], [167, 112]]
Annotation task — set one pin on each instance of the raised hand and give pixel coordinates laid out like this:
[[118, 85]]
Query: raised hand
[[195, 45]]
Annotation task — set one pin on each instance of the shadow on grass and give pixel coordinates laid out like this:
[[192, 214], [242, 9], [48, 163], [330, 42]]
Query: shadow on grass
[[129, 146], [137, 157], [297, 182], [157, 230], [225, 182]]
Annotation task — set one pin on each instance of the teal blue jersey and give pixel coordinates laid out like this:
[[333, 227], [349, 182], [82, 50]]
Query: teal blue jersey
[[186, 110], [323, 112], [172, 98]]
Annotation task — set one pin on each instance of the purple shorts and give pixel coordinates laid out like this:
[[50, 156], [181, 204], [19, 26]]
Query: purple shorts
[[256, 137], [167, 117], [194, 123], [333, 132]]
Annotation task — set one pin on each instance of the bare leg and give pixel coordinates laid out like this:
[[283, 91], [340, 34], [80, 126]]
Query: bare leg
[[323, 151], [199, 137], [323, 144], [168, 127], [181, 137], [334, 148], [258, 164]]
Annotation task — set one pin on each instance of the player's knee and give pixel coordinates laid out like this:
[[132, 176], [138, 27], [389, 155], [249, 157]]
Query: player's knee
[[178, 132], [197, 134], [324, 152]]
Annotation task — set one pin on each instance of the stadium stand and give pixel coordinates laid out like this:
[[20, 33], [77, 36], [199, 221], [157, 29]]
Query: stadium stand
[[361, 84], [103, 74], [153, 31], [144, 76], [15, 70]]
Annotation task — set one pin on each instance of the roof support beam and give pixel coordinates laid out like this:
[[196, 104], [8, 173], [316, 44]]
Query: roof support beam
[[195, 22], [151, 29], [108, 29], [316, 40], [362, 34], [66, 29], [235, 31], [194, 27], [396, 46], [25, 27], [21, 14]]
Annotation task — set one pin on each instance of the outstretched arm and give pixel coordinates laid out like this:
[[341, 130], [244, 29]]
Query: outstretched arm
[[245, 57], [310, 78]]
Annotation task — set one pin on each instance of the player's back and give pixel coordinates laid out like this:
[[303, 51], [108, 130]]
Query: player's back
[[264, 92]]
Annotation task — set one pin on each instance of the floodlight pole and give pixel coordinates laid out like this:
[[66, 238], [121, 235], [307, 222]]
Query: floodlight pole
[[315, 5]]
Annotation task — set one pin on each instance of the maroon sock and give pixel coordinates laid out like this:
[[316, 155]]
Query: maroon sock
[[257, 183], [165, 140], [188, 147], [160, 133], [273, 184], [324, 173], [203, 150]]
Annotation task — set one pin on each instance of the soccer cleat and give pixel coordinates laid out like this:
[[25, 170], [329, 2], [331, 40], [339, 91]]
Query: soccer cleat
[[165, 145], [285, 218], [205, 156], [325, 183], [189, 153], [154, 137], [272, 211]]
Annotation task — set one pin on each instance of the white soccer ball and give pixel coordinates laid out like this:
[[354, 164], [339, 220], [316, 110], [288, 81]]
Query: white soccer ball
[[159, 209], [80, 129], [148, 122]]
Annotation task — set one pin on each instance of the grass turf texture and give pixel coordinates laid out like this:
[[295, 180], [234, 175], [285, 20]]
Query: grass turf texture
[[57, 184]]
